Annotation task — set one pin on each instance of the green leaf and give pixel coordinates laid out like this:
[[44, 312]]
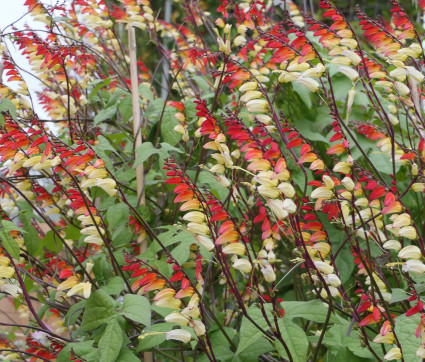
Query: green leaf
[[52, 242], [125, 108], [115, 286], [137, 308], [155, 339], [31, 238], [313, 310], [72, 232], [6, 105], [101, 148], [345, 264], [216, 188], [82, 349], [253, 351], [249, 333], [126, 355], [117, 214], [100, 308], [181, 253], [397, 295], [116, 98], [10, 244], [105, 114], [221, 345], [9, 226], [167, 129], [405, 328], [303, 92], [74, 312], [295, 339], [145, 91], [99, 84], [111, 342], [337, 336], [144, 151], [343, 354]]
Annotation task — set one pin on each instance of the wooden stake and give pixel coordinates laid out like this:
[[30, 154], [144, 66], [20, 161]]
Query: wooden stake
[[137, 132]]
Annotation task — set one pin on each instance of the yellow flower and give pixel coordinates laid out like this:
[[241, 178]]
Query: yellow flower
[[393, 354], [242, 265], [68, 283], [4, 260], [257, 105], [392, 245], [414, 266], [198, 228], [410, 252], [268, 191], [268, 273], [355, 59], [180, 335], [311, 84], [6, 272], [324, 267], [418, 187], [198, 327], [205, 241], [343, 167], [332, 280], [194, 216], [287, 189], [234, 248], [387, 339], [322, 193], [165, 298], [277, 207], [401, 220], [176, 317], [407, 232], [250, 95], [84, 288], [248, 86], [108, 185], [348, 72]]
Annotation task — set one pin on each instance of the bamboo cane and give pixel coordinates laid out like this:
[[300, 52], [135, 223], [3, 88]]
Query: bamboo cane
[[147, 356]]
